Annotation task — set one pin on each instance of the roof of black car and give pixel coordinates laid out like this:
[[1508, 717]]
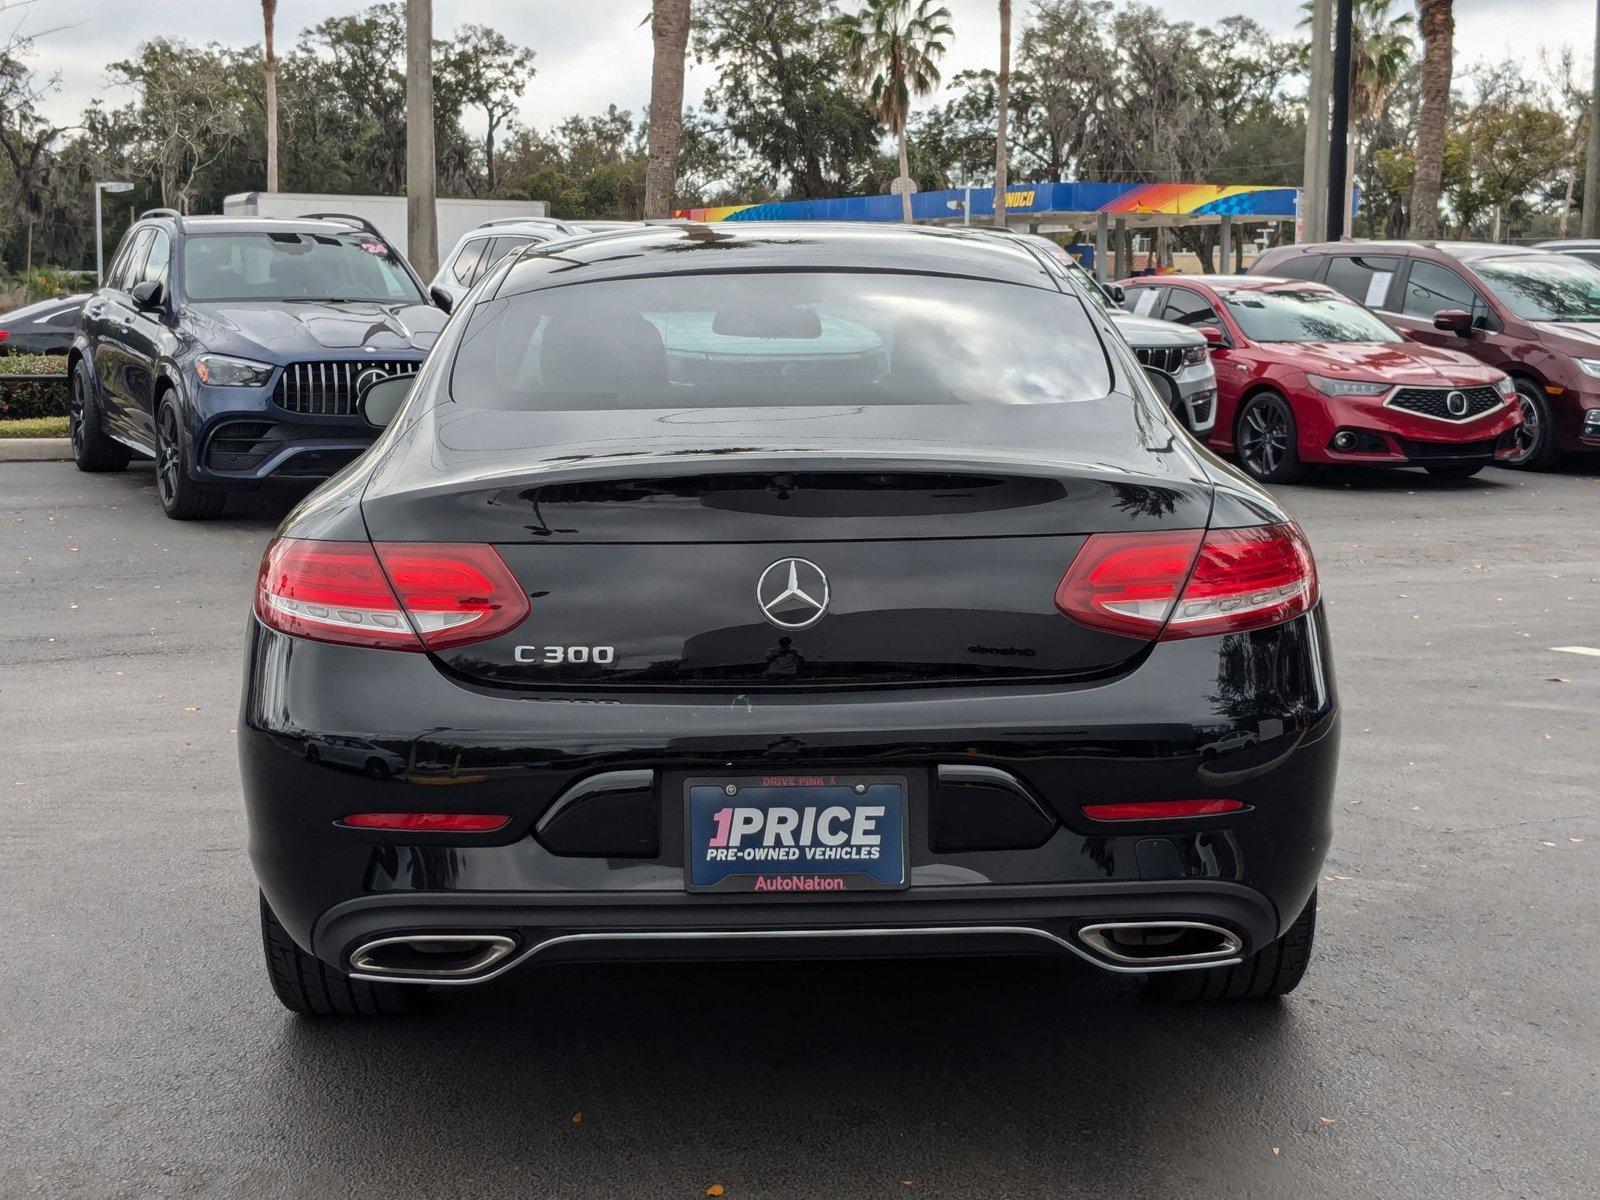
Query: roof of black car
[[775, 246]]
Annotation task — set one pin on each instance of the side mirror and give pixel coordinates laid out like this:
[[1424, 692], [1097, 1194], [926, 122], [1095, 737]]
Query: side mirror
[[441, 298], [148, 296], [381, 401], [1212, 335], [1453, 320], [1118, 296]]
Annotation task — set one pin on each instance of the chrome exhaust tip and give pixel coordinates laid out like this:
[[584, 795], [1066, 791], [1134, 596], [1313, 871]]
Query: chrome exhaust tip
[[1161, 944], [429, 956]]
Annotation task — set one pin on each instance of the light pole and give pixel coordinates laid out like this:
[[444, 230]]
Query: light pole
[[115, 187]]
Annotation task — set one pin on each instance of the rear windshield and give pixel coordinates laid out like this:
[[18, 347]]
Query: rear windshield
[[740, 340], [1544, 289], [1309, 315], [293, 266]]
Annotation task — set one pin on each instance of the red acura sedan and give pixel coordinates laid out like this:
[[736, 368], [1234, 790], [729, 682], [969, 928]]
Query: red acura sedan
[[1306, 376]]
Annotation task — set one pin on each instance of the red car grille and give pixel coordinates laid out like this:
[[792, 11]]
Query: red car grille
[[1435, 402]]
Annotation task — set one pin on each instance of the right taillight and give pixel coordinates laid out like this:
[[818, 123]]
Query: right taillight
[[1168, 585], [392, 596]]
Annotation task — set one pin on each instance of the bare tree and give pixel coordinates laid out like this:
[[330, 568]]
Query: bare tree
[[669, 30], [1002, 101], [489, 73], [269, 68], [1437, 23]]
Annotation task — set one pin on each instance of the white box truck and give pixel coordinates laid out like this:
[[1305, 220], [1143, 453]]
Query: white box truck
[[387, 213]]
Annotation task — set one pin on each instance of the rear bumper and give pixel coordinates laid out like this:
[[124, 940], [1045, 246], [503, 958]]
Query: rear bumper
[[936, 922], [329, 730]]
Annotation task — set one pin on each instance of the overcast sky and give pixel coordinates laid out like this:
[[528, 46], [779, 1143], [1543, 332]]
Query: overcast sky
[[592, 53]]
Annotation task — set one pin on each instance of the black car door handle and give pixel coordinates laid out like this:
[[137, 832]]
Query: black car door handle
[[94, 310]]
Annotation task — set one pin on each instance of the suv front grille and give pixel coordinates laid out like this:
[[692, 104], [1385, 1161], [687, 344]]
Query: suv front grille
[[1166, 359], [329, 389], [1432, 402]]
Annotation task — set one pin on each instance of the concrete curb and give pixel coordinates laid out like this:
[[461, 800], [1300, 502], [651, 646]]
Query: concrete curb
[[35, 449]]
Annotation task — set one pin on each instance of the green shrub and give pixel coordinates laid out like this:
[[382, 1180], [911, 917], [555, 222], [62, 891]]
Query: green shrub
[[42, 283], [33, 397]]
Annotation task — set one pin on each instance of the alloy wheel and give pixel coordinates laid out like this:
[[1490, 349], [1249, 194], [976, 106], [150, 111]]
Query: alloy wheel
[[169, 456], [75, 415], [1263, 438], [1526, 435]]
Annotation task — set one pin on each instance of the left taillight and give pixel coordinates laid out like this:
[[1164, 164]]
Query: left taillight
[[389, 595], [1183, 584]]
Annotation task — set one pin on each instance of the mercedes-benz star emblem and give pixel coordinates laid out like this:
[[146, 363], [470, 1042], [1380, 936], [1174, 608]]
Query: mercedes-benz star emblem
[[369, 378], [1456, 402], [792, 593]]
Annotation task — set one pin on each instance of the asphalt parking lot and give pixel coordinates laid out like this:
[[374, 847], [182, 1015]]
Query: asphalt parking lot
[[1446, 1042]]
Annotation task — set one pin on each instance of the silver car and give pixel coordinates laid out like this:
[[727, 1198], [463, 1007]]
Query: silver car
[[1176, 358], [480, 248]]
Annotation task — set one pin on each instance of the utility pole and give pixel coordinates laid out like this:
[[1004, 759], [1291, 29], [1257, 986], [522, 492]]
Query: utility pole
[[1591, 169], [422, 207], [1002, 101], [1314, 188], [1339, 134]]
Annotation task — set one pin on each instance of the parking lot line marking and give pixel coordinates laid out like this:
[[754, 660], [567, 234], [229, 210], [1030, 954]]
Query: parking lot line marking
[[1589, 650]]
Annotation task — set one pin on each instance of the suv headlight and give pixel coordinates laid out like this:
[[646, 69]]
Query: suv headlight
[[1193, 356], [219, 370], [1347, 387], [1508, 390], [1589, 366]]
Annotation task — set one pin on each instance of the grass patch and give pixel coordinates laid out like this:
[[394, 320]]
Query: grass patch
[[34, 427]]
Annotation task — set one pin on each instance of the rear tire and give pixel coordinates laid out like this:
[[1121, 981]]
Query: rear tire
[[181, 497], [308, 986], [1536, 436], [1461, 472], [1266, 440], [1274, 970], [92, 448]]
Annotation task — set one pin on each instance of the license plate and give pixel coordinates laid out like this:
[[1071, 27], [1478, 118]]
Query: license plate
[[796, 834]]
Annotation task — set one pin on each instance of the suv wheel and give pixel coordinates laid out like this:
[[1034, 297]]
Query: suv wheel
[[92, 448], [1274, 970], [1265, 438], [182, 498], [1536, 436], [307, 985]]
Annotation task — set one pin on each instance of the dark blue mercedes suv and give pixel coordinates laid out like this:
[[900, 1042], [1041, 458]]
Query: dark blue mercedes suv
[[236, 351]]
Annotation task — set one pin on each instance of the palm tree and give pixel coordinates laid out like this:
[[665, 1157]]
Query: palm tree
[[1380, 54], [269, 68], [669, 30], [892, 48], [1438, 29], [1002, 98]]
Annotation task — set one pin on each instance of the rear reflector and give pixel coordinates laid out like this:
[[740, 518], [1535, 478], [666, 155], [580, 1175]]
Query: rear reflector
[[393, 596], [415, 822], [1159, 810], [1181, 584]]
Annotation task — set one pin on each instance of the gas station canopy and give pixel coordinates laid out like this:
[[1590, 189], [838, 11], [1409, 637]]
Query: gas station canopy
[[1040, 205], [1105, 208]]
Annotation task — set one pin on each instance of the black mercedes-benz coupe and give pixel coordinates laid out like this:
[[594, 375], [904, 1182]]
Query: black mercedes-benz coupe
[[783, 590]]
